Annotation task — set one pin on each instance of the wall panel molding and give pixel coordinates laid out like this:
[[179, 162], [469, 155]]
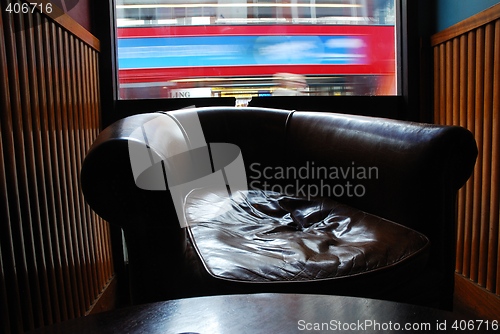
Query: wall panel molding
[[55, 253], [467, 93], [489, 15]]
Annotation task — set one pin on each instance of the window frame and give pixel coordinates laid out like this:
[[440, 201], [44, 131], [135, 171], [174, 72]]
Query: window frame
[[405, 105]]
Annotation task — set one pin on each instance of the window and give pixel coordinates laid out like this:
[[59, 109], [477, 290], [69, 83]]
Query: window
[[247, 48]]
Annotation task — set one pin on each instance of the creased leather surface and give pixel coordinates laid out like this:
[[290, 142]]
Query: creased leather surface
[[272, 237]]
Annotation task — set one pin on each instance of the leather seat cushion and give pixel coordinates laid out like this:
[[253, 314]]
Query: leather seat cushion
[[263, 236]]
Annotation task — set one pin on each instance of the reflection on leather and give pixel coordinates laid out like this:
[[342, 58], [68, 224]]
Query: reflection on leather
[[272, 237]]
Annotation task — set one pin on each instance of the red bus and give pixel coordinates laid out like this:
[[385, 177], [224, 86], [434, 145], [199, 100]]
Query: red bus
[[222, 55]]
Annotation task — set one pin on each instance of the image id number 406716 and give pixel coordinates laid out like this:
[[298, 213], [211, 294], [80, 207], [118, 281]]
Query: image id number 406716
[[25, 8], [462, 325]]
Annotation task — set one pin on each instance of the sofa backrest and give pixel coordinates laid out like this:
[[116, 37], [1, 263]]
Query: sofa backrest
[[406, 172], [402, 168], [260, 133]]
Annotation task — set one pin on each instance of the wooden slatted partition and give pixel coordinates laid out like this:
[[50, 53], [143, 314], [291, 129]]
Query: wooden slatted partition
[[55, 254], [467, 93]]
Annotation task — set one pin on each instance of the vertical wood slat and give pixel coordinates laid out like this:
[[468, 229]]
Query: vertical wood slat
[[71, 241], [38, 172], [458, 103], [494, 249], [471, 73], [92, 275], [53, 175], [473, 57], [442, 81], [86, 299], [84, 114], [478, 131], [463, 220], [493, 106], [448, 111], [436, 59], [9, 288], [55, 255], [60, 177], [53, 305], [487, 152]]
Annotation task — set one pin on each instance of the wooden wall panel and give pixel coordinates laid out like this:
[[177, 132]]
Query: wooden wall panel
[[467, 93], [55, 254]]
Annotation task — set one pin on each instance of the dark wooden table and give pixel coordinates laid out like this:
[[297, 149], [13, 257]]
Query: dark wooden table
[[271, 314]]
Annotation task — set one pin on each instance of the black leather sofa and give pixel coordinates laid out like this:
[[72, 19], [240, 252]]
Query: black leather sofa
[[335, 204]]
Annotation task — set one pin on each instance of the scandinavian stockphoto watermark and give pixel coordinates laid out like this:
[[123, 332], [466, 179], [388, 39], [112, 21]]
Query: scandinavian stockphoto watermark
[[331, 181], [170, 152], [374, 326]]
